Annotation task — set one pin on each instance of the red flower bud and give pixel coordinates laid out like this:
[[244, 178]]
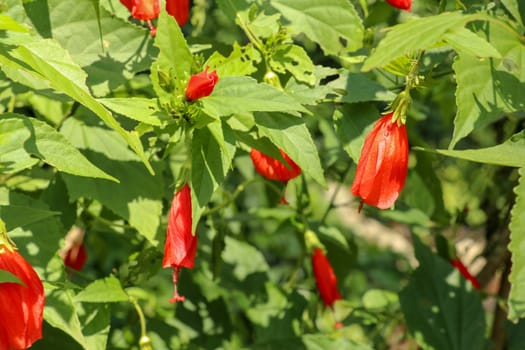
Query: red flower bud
[[401, 4], [325, 278], [458, 264], [21, 306], [382, 167], [272, 168], [179, 9], [76, 257], [201, 85], [145, 10], [181, 245]]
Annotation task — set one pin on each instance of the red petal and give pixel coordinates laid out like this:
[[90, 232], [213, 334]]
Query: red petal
[[21, 306], [272, 168], [180, 9], [401, 4], [201, 85], [325, 278], [181, 245], [382, 167]]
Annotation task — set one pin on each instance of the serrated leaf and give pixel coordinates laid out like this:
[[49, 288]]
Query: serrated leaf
[[509, 153], [292, 135], [144, 110], [236, 95], [8, 277], [465, 41], [174, 55], [488, 89], [213, 148], [87, 324], [48, 61], [44, 142], [414, 35], [516, 300], [441, 308], [333, 24], [358, 87], [107, 290], [294, 59], [241, 61]]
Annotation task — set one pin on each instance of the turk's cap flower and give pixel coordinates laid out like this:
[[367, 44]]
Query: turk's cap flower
[[325, 278], [74, 253], [382, 167], [179, 9], [201, 85], [181, 245], [274, 169], [401, 4], [22, 305], [145, 10]]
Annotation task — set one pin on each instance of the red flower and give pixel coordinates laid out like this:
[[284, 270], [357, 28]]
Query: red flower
[[201, 85], [145, 10], [325, 278], [458, 264], [272, 168], [21, 305], [401, 4], [179, 9], [181, 245], [76, 257], [382, 167]]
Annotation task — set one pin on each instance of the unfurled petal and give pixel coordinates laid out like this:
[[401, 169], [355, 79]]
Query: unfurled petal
[[272, 168], [179, 9], [325, 278], [382, 167], [21, 305]]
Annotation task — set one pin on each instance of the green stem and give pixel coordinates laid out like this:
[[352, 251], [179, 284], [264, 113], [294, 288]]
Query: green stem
[[331, 204], [142, 319]]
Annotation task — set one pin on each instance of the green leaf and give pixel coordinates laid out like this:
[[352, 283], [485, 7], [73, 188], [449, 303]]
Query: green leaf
[[441, 308], [213, 148], [357, 87], [50, 62], [516, 300], [108, 48], [174, 55], [465, 41], [489, 89], [294, 59], [241, 61], [243, 94], [333, 24], [38, 139], [144, 110], [8, 23], [244, 258], [509, 153], [87, 324], [8, 277], [513, 7], [292, 135], [414, 35], [107, 290]]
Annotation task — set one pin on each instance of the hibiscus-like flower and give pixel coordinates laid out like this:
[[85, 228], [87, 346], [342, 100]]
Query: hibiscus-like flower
[[181, 244], [382, 167], [201, 85], [401, 4], [325, 278], [21, 304]]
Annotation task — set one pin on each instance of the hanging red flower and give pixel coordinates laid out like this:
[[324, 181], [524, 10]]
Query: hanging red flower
[[201, 85], [74, 254], [272, 168], [22, 305], [179, 9], [382, 167], [325, 278], [458, 264], [181, 245], [145, 10], [401, 4]]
